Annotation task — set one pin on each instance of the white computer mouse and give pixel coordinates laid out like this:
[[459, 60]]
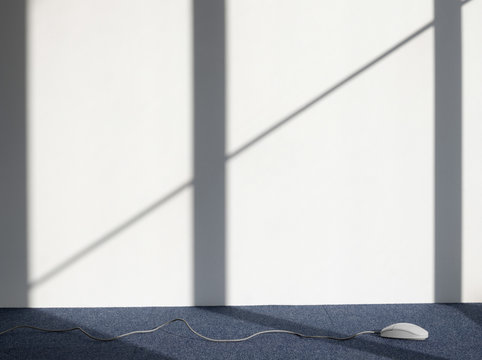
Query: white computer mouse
[[404, 331]]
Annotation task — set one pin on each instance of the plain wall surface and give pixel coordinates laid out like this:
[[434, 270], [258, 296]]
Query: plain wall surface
[[471, 150], [110, 138], [326, 193], [338, 201]]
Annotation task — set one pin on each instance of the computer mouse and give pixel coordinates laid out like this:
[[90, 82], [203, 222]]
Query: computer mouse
[[404, 331]]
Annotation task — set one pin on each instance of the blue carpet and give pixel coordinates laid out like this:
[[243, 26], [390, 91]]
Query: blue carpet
[[455, 332]]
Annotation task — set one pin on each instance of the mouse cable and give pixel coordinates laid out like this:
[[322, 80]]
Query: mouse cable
[[193, 331]]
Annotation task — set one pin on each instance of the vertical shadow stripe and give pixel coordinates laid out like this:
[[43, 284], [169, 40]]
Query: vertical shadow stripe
[[448, 151], [209, 209]]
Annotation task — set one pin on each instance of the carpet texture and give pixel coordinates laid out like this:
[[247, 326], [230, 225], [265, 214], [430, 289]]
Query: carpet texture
[[455, 332]]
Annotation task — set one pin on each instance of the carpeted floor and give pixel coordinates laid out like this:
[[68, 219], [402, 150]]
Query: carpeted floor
[[455, 332]]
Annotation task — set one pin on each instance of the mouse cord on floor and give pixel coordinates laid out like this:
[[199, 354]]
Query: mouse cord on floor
[[193, 331]]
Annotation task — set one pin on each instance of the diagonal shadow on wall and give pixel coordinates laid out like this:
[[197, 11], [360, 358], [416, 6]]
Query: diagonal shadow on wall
[[329, 91], [202, 137], [209, 170], [109, 236]]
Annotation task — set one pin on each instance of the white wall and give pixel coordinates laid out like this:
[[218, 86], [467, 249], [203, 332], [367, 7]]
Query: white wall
[[472, 150], [336, 205], [330, 207], [110, 135]]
